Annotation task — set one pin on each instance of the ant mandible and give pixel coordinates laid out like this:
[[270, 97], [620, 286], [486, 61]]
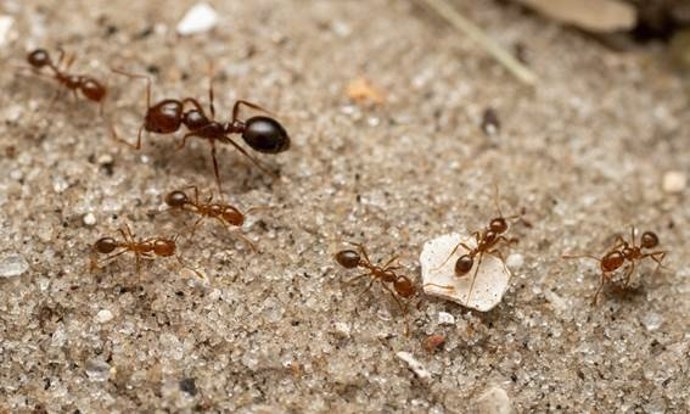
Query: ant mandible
[[488, 241], [623, 251], [402, 285], [142, 249], [261, 133], [92, 89], [225, 213]]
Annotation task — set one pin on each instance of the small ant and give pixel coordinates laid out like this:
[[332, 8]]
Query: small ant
[[92, 89], [226, 214], [261, 133], [621, 252], [402, 285], [142, 249], [488, 241]]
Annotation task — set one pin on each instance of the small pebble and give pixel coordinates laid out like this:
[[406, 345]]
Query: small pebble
[[12, 265], [89, 219], [414, 365], [98, 370], [445, 318], [104, 315], [199, 18], [341, 330], [494, 400], [674, 182], [515, 261]]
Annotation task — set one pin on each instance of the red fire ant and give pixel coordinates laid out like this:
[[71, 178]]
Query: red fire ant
[[488, 241], [402, 285], [92, 89], [143, 249], [226, 214], [261, 133], [621, 252]]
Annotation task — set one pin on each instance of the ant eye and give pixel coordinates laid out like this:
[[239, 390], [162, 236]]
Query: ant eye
[[266, 135]]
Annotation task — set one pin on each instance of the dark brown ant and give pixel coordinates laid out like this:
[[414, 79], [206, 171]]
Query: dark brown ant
[[621, 252], [142, 249], [488, 241], [225, 213], [261, 133], [402, 285], [91, 88]]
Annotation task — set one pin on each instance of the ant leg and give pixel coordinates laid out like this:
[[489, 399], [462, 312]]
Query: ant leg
[[628, 274], [658, 257], [455, 249], [140, 76], [195, 104], [215, 167], [256, 162], [210, 91], [117, 138], [112, 256], [439, 286], [601, 286], [238, 234], [186, 266], [236, 108], [579, 256], [391, 260], [362, 250], [403, 309], [474, 278], [356, 278], [194, 226], [186, 136]]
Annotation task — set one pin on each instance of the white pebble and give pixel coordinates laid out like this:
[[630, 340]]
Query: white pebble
[[6, 23], [414, 365], [445, 318], [494, 400], [198, 19], [12, 265], [674, 182], [342, 330], [89, 219], [439, 278], [104, 315], [515, 261]]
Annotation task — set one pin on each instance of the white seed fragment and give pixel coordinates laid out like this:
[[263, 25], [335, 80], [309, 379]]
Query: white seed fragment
[[445, 318], [515, 261], [89, 219], [6, 23], [199, 18], [414, 365], [104, 315], [491, 282], [12, 265], [674, 182]]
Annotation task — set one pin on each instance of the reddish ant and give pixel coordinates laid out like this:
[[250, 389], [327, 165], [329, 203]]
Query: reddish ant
[[261, 133], [488, 241], [226, 214], [402, 285], [621, 252], [142, 249], [92, 89]]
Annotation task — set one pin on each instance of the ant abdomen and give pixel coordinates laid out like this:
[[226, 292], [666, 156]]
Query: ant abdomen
[[266, 135], [463, 265], [348, 259]]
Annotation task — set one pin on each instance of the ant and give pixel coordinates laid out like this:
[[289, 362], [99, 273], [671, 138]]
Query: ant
[[225, 213], [621, 252], [262, 133], [142, 249], [488, 241], [91, 88], [402, 285]]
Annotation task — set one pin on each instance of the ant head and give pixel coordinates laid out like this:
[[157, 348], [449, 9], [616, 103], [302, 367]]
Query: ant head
[[498, 225], [265, 135], [463, 265], [233, 216], [38, 58], [92, 89], [649, 240], [163, 247], [165, 117], [176, 198], [194, 119], [349, 259], [105, 245]]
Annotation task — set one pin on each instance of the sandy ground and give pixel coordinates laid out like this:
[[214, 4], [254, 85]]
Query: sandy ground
[[278, 331]]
